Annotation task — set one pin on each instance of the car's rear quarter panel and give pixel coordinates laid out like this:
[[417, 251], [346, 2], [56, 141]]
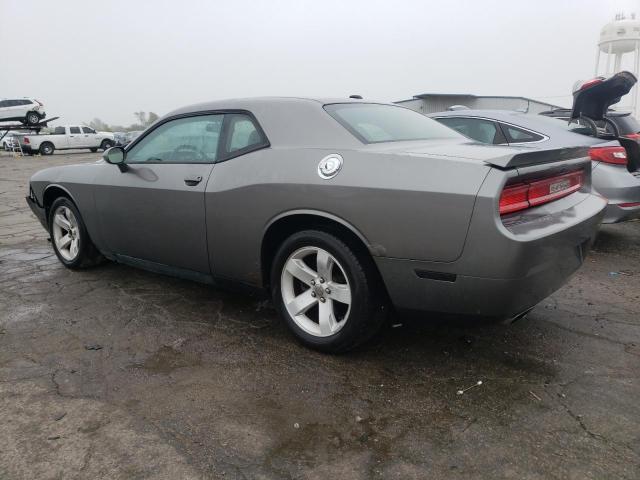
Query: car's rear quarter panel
[[404, 206]]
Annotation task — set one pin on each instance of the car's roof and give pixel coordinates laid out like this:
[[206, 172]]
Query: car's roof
[[252, 102], [289, 121]]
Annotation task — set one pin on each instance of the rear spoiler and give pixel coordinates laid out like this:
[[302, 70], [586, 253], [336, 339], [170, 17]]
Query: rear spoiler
[[539, 156]]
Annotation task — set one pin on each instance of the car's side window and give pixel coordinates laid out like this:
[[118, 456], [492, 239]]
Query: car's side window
[[518, 135], [183, 140], [74, 129], [242, 134], [88, 130], [481, 130]]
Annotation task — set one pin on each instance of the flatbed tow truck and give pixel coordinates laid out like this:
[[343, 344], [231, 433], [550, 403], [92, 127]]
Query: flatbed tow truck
[[21, 127]]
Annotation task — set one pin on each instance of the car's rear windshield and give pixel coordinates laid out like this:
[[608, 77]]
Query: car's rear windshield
[[626, 124], [375, 123]]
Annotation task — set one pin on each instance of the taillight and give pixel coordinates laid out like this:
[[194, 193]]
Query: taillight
[[615, 155], [633, 136], [530, 194], [514, 198], [591, 83], [26, 140]]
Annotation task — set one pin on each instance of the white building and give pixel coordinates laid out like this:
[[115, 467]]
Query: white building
[[439, 102]]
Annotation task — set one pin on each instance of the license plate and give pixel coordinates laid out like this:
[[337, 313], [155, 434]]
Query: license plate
[[559, 186]]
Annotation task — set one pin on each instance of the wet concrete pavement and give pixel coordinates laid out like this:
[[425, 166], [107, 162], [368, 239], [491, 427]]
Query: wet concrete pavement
[[118, 373]]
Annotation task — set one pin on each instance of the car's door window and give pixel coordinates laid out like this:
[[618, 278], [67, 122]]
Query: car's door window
[[88, 130], [4, 103], [481, 130], [74, 129], [243, 134], [518, 135], [184, 140]]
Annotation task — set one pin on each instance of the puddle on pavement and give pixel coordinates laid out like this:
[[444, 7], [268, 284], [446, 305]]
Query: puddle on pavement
[[166, 359]]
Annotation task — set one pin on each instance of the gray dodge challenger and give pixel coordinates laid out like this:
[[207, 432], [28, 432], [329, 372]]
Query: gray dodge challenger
[[340, 208]]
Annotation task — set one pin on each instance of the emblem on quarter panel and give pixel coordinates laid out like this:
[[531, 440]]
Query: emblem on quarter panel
[[329, 166]]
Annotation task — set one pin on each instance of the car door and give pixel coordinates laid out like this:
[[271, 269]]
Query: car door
[[154, 210], [479, 129], [5, 111], [14, 109], [89, 137], [75, 139]]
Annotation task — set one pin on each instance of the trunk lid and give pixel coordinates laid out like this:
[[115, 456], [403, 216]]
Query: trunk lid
[[593, 97], [499, 156]]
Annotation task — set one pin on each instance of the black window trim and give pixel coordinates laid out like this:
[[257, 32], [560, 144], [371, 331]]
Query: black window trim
[[221, 156]]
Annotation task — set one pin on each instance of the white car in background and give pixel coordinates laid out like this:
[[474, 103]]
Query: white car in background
[[26, 110], [8, 140]]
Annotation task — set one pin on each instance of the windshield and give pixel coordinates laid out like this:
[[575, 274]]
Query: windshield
[[375, 123]]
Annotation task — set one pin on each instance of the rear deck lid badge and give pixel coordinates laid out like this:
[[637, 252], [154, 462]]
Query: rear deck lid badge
[[329, 166]]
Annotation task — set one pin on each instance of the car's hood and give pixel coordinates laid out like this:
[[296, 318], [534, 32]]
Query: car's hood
[[497, 155], [593, 98]]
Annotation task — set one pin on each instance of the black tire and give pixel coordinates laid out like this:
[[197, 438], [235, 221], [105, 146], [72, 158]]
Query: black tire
[[32, 118], [106, 144], [93, 150], [88, 255], [368, 308], [47, 148]]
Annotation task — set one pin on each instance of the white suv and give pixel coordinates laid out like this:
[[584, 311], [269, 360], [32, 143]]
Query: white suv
[[26, 110]]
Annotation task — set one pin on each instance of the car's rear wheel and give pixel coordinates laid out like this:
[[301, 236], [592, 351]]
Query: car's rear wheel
[[106, 144], [33, 118], [69, 236], [327, 295], [47, 148]]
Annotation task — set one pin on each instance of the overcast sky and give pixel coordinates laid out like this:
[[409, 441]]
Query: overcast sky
[[87, 59]]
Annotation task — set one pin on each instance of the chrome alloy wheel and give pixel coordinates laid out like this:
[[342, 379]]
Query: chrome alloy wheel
[[66, 233], [315, 291]]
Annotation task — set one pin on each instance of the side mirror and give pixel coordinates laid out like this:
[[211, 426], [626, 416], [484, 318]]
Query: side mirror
[[116, 156]]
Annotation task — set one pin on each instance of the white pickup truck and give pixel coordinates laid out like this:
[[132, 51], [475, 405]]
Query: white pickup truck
[[67, 138]]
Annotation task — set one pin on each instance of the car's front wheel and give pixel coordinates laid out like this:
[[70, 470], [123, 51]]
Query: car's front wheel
[[69, 236], [33, 118], [327, 295], [106, 144]]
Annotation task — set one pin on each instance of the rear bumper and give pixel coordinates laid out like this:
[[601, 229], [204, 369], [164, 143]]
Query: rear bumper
[[497, 283], [619, 187], [615, 213]]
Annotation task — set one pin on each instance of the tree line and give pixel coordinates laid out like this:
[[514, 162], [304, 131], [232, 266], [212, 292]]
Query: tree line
[[144, 120]]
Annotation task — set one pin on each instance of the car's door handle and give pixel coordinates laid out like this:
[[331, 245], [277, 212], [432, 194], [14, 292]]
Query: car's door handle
[[193, 181]]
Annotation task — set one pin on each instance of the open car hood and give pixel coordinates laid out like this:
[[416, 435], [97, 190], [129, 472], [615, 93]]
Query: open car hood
[[593, 98]]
